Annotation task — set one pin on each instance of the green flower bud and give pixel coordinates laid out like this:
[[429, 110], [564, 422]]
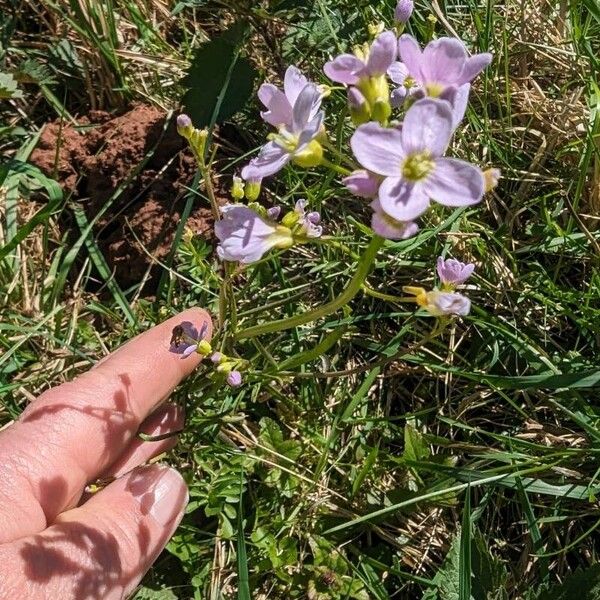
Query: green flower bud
[[311, 156]]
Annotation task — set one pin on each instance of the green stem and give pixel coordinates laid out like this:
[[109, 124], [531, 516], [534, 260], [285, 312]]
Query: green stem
[[337, 168], [364, 266]]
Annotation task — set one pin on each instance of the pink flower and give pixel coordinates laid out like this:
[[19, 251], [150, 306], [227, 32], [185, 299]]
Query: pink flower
[[186, 337], [412, 164], [246, 237], [362, 183], [387, 227], [443, 63], [294, 141], [446, 303], [280, 104], [308, 223], [351, 69], [453, 272], [442, 70]]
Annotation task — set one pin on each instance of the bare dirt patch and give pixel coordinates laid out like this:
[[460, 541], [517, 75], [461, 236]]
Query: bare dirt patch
[[134, 150]]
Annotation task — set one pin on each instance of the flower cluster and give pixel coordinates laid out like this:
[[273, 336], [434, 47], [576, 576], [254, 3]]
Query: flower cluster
[[405, 104], [445, 301], [186, 340]]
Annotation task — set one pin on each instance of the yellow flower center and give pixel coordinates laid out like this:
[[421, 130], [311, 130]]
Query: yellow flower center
[[417, 166], [434, 89]]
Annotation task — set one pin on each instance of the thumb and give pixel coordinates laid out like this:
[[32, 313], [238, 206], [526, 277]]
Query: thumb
[[102, 548]]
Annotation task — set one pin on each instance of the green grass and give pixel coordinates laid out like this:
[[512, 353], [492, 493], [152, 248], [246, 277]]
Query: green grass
[[364, 458]]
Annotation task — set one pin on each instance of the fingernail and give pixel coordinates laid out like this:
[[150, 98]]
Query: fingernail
[[169, 497]]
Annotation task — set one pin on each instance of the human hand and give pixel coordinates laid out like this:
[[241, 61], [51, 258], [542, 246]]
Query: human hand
[[52, 545]]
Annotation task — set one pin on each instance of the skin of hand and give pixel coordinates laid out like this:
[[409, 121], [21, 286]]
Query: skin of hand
[[55, 543]]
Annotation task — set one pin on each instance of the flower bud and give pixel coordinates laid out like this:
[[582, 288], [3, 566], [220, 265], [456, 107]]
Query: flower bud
[[290, 219], [184, 126], [198, 139], [237, 189], [381, 111], [404, 10], [203, 348], [311, 156], [234, 379], [252, 189], [359, 107], [376, 28], [217, 358], [274, 212]]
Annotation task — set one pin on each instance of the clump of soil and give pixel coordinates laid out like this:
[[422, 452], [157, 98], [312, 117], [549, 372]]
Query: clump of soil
[[134, 150]]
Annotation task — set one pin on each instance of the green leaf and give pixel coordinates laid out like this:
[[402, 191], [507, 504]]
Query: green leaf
[[219, 81], [145, 593], [242, 560], [446, 579], [583, 584], [8, 87]]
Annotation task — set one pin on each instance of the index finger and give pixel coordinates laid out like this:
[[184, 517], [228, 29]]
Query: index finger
[[74, 432]]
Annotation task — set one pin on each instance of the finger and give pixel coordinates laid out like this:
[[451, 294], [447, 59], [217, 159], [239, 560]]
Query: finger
[[167, 420], [74, 432], [101, 549]]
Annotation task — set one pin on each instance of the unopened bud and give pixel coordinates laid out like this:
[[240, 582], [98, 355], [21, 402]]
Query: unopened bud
[[376, 28], [404, 10], [290, 219], [237, 189], [381, 111], [234, 379], [311, 156], [252, 189], [184, 126], [274, 212], [204, 348], [359, 107]]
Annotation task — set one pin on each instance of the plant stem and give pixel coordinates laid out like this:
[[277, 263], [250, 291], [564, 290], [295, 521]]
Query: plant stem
[[364, 266], [337, 168]]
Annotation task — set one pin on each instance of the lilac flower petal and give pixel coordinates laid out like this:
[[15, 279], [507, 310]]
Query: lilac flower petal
[[378, 149], [382, 54], [293, 83], [244, 236], [459, 99], [447, 303], [427, 127], [398, 72], [189, 350], [455, 182], [314, 217], [279, 109], [443, 61], [356, 99], [216, 357], [411, 55], [310, 131], [274, 212], [305, 107], [345, 68], [453, 272], [362, 184], [234, 379], [398, 96], [387, 227], [271, 158], [474, 65], [401, 199]]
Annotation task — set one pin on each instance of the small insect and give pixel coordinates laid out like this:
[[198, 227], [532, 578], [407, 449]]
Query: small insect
[[177, 335], [328, 578]]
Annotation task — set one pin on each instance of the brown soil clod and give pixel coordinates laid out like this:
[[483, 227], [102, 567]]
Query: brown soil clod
[[137, 150]]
